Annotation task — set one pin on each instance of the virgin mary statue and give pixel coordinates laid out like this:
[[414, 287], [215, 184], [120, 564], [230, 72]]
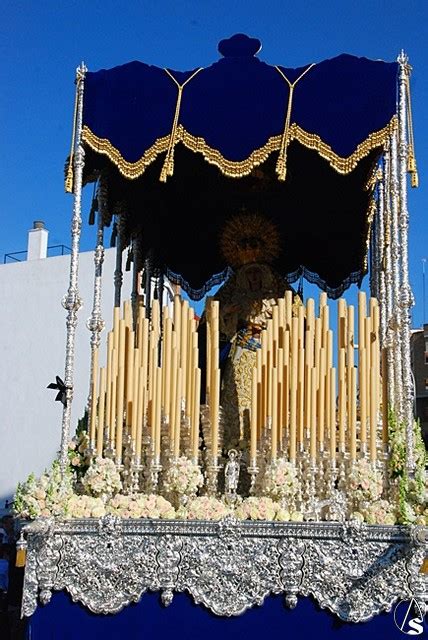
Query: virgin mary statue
[[249, 244]]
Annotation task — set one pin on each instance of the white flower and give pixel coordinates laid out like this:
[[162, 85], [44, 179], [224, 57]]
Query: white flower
[[140, 506], [281, 480], [183, 476], [205, 508], [102, 477], [256, 509]]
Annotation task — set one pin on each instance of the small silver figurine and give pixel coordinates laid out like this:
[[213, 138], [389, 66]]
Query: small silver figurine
[[231, 475]]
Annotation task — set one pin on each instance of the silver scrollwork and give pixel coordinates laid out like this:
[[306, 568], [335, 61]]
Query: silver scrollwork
[[354, 570]]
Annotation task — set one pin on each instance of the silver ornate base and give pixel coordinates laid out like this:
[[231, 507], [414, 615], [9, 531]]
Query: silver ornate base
[[352, 569]]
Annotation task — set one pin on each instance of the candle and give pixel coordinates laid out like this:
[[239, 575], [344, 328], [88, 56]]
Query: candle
[[166, 365], [140, 404], [342, 397], [136, 381], [94, 397], [293, 387], [101, 409], [177, 416], [352, 414], [112, 418], [119, 415], [274, 412], [253, 424], [109, 377], [156, 316], [363, 396], [116, 320], [196, 412], [313, 415], [385, 396], [158, 405], [280, 403], [215, 414], [288, 309], [321, 399], [310, 314], [333, 414]]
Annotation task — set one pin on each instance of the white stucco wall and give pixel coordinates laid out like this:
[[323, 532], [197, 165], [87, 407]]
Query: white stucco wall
[[32, 352]]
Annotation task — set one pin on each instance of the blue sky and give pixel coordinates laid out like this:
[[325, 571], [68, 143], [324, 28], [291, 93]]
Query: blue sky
[[42, 42]]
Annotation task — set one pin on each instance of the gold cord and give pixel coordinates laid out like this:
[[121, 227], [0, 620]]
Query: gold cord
[[411, 159], [281, 165], [168, 166], [69, 180]]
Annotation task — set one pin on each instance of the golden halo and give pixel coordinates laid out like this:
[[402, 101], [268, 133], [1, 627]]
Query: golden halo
[[247, 238]]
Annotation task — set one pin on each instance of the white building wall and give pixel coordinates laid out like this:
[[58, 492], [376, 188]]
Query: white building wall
[[32, 352]]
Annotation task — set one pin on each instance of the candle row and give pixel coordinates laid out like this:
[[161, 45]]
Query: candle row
[[148, 379], [300, 400]]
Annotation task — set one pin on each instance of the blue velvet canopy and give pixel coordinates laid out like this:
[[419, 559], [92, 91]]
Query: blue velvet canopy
[[304, 143]]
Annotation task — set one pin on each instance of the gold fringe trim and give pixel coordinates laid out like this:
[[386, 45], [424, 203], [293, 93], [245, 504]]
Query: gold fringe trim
[[230, 168]]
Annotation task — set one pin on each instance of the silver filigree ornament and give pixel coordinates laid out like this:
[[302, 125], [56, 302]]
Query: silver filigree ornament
[[354, 570]]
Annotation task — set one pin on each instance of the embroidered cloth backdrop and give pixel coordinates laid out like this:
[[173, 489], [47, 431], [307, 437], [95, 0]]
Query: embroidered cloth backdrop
[[303, 141]]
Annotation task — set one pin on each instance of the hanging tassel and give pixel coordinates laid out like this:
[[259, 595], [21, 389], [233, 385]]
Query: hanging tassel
[[412, 168], [168, 165], [69, 179], [129, 259], [281, 163], [411, 158], [113, 235], [21, 551], [93, 210]]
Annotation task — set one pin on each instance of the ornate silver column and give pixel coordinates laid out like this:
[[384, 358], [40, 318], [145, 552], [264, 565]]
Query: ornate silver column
[[388, 276], [71, 301], [95, 322], [381, 257], [396, 280], [406, 296]]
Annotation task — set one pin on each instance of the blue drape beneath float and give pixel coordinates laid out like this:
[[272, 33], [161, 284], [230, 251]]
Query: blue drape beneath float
[[64, 620]]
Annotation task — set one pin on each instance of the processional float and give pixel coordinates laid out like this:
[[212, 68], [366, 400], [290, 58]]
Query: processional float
[[262, 426]]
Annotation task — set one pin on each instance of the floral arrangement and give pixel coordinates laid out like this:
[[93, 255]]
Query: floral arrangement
[[183, 477], [140, 506], [78, 449], [377, 512], [85, 507], [102, 478], [281, 480], [364, 481], [204, 508], [256, 509], [411, 493], [44, 496]]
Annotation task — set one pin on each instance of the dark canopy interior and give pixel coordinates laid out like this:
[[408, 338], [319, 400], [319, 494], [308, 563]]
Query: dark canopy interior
[[341, 115]]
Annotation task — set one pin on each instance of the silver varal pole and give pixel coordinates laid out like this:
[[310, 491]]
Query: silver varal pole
[[406, 296], [396, 281], [381, 257], [71, 301], [389, 338], [95, 322]]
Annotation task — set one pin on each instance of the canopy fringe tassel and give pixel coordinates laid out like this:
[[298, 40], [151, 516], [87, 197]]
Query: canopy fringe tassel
[[281, 163], [168, 165], [411, 158]]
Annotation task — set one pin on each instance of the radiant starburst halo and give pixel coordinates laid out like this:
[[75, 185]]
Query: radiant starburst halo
[[249, 237]]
